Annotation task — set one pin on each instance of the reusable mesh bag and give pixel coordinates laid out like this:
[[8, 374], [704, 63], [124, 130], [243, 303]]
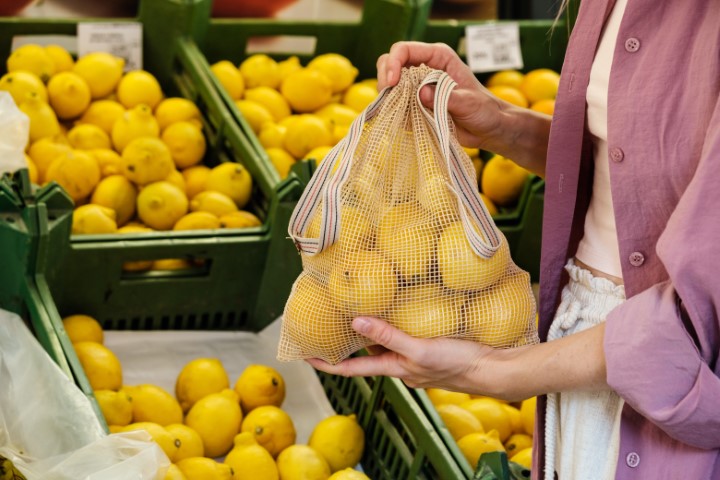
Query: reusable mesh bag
[[392, 225]]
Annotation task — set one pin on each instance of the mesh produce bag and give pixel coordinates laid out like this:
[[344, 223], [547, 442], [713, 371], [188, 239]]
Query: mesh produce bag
[[392, 225]]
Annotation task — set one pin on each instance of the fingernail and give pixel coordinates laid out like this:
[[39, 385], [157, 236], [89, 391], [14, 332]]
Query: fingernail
[[361, 325]]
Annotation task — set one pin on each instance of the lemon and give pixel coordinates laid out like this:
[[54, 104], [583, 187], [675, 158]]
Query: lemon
[[491, 414], [200, 468], [102, 72], [515, 418], [139, 88], [407, 242], [32, 169], [101, 366], [82, 328], [540, 84], [103, 113], [508, 78], [233, 180], [197, 221], [527, 412], [151, 403], [76, 171], [439, 396], [474, 445], [271, 99], [523, 457], [239, 219], [260, 70], [272, 135], [215, 203], [337, 114], [109, 161], [259, 385], [301, 462], [93, 219], [489, 204], [306, 90], [32, 58], [254, 113], [146, 160], [306, 133], [272, 428], [177, 179], [281, 160], [195, 179], [171, 264], [348, 474], [425, 311], [43, 121], [339, 132], [176, 109], [174, 473], [230, 78], [340, 440], [199, 378], [318, 153], [69, 95], [46, 150], [20, 83], [546, 106], [509, 94], [249, 460], [186, 143], [372, 82], [87, 136], [337, 68], [134, 123], [288, 66], [191, 444], [517, 442], [116, 407], [216, 418], [161, 204], [61, 58], [359, 95], [459, 421], [167, 442], [365, 287]]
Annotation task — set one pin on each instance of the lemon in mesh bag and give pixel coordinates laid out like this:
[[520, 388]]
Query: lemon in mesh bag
[[392, 225]]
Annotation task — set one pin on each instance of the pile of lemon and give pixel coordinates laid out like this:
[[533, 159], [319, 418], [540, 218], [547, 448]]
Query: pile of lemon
[[484, 424], [210, 430], [129, 157], [297, 112]]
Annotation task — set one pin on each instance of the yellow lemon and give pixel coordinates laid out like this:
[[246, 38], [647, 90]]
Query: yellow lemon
[[186, 143], [201, 468], [69, 95], [177, 179], [174, 473], [76, 171], [146, 160], [199, 378], [191, 444], [134, 123], [272, 428], [339, 132], [103, 113], [439, 396], [271, 99], [86, 136], [46, 150], [101, 71], [306, 90], [288, 66], [301, 462], [195, 179], [32, 58], [176, 109], [337, 114], [197, 221], [137, 88], [272, 134], [365, 287], [93, 219], [239, 219], [260, 385], [406, 239], [337, 68], [171, 264], [233, 180], [100, 364], [83, 328], [527, 412], [510, 95], [109, 161], [281, 160], [359, 95], [43, 121], [116, 407], [491, 414], [340, 440], [348, 474], [215, 203], [249, 460], [161, 204], [546, 106], [517, 442], [151, 403], [61, 58], [260, 70], [167, 442], [425, 311], [491, 207], [373, 82], [318, 153], [540, 84], [523, 457], [254, 113], [459, 421], [306, 133], [20, 83], [515, 418], [216, 418], [32, 169], [474, 445], [508, 78], [230, 78]]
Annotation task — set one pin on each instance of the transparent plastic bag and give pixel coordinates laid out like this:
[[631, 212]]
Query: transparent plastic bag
[[14, 131], [48, 428]]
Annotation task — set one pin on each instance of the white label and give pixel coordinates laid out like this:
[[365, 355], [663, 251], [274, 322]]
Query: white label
[[493, 47], [122, 39]]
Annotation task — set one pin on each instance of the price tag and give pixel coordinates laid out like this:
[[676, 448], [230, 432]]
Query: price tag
[[122, 39], [492, 47]]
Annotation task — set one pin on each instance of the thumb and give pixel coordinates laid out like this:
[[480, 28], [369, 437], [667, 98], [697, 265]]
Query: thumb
[[427, 96], [382, 333]]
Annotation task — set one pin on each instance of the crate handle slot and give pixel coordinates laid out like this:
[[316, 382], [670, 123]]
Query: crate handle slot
[[285, 44], [165, 268]]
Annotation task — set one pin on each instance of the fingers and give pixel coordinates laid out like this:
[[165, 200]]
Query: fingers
[[385, 364], [385, 335], [405, 54]]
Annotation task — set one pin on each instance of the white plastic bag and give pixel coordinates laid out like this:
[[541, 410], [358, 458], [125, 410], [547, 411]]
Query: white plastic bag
[[48, 428], [14, 131]]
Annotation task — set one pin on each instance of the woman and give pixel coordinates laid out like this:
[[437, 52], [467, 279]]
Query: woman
[[630, 289]]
